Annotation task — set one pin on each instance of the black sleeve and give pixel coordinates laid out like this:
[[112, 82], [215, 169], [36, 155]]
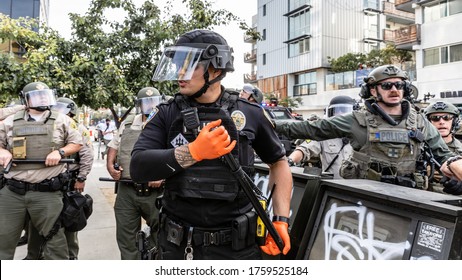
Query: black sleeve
[[152, 159]]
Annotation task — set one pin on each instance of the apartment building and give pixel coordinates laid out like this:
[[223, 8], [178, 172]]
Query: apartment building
[[23, 8], [298, 37]]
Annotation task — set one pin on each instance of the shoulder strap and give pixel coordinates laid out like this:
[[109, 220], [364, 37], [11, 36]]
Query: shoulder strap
[[344, 142]]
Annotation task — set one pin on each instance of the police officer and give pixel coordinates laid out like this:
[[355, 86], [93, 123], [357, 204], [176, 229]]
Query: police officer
[[205, 213], [35, 133], [133, 201], [445, 117], [333, 151], [386, 137], [251, 93], [78, 172]]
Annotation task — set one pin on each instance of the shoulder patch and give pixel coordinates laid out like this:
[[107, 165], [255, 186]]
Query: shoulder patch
[[307, 141], [73, 124], [151, 116], [238, 119]]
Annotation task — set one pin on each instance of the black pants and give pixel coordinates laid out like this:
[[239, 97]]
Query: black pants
[[170, 251]]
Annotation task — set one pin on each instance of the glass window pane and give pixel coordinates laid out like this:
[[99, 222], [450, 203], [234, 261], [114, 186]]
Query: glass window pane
[[456, 53], [431, 57], [455, 7], [444, 55]]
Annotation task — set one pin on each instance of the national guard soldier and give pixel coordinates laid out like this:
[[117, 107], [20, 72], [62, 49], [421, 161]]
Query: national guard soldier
[[205, 213], [445, 117], [35, 189], [133, 201], [78, 174], [332, 151], [387, 137]]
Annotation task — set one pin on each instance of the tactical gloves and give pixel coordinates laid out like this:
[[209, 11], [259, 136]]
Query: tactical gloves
[[270, 246], [212, 142], [451, 186]]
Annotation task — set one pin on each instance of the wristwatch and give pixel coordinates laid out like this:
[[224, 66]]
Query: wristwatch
[[81, 179], [62, 153]]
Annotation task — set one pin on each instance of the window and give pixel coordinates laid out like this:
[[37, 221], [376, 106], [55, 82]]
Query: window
[[299, 47], [444, 55], [264, 10], [431, 57], [442, 9], [305, 84], [264, 59], [263, 36], [294, 4], [455, 7], [299, 24], [456, 53]]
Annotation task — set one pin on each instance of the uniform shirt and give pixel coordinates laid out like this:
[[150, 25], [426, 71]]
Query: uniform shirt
[[327, 150], [137, 124], [86, 155], [348, 126], [153, 156], [5, 112], [65, 132]]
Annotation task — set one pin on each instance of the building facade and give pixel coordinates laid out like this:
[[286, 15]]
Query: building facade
[[299, 37]]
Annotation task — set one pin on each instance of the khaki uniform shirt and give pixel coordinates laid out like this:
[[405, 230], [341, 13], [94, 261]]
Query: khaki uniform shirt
[[85, 154], [5, 112], [137, 124], [65, 132]]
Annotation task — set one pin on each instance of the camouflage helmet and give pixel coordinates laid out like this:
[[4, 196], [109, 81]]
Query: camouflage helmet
[[147, 99], [441, 107], [38, 96], [66, 106], [254, 91]]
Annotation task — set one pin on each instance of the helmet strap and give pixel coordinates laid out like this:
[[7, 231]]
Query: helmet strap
[[208, 83]]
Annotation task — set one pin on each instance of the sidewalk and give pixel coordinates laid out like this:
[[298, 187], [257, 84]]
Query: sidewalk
[[98, 239]]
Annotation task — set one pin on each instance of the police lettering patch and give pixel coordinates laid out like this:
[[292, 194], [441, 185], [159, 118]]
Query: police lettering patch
[[179, 140], [238, 119], [390, 136]]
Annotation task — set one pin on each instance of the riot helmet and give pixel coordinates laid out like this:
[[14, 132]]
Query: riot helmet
[[382, 73], [193, 49], [66, 106], [340, 105], [38, 96], [444, 107], [147, 99], [254, 92]]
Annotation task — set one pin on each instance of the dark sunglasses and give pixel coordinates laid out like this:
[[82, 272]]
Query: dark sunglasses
[[389, 85], [438, 118]]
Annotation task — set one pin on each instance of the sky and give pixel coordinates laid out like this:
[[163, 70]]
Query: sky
[[245, 9]]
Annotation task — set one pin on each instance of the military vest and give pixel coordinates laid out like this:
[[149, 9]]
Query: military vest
[[209, 179], [389, 150], [36, 136], [127, 141]]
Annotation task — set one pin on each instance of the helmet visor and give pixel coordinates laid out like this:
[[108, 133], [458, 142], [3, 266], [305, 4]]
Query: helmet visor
[[62, 107], [177, 63], [147, 104], [339, 109], [40, 98]]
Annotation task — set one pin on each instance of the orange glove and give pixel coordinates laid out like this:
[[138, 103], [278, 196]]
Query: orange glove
[[212, 142], [270, 247]]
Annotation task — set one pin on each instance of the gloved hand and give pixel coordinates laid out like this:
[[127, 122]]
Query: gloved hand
[[270, 246], [451, 186], [212, 142]]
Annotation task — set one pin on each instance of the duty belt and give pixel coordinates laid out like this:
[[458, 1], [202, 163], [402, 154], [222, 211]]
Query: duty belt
[[19, 187], [140, 189], [201, 236]]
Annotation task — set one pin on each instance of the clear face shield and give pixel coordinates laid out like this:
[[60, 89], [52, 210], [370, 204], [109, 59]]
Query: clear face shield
[[62, 107], [339, 109], [40, 98], [177, 63], [147, 104]]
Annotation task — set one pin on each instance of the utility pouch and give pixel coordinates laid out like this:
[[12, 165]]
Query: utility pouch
[[243, 231], [373, 175], [174, 232], [21, 190], [19, 147]]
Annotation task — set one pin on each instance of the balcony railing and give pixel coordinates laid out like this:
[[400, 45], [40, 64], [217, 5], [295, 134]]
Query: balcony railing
[[390, 10], [409, 35], [250, 56], [250, 77]]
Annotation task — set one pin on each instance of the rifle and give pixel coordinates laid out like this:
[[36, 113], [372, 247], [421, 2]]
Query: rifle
[[142, 243], [192, 123], [32, 161]]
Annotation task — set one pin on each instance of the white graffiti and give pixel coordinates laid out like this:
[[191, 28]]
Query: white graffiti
[[361, 245]]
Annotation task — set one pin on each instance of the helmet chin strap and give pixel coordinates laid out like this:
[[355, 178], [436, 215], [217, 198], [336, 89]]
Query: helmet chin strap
[[207, 84]]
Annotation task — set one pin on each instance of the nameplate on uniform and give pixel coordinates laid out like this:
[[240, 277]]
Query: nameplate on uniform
[[30, 130], [390, 136]]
